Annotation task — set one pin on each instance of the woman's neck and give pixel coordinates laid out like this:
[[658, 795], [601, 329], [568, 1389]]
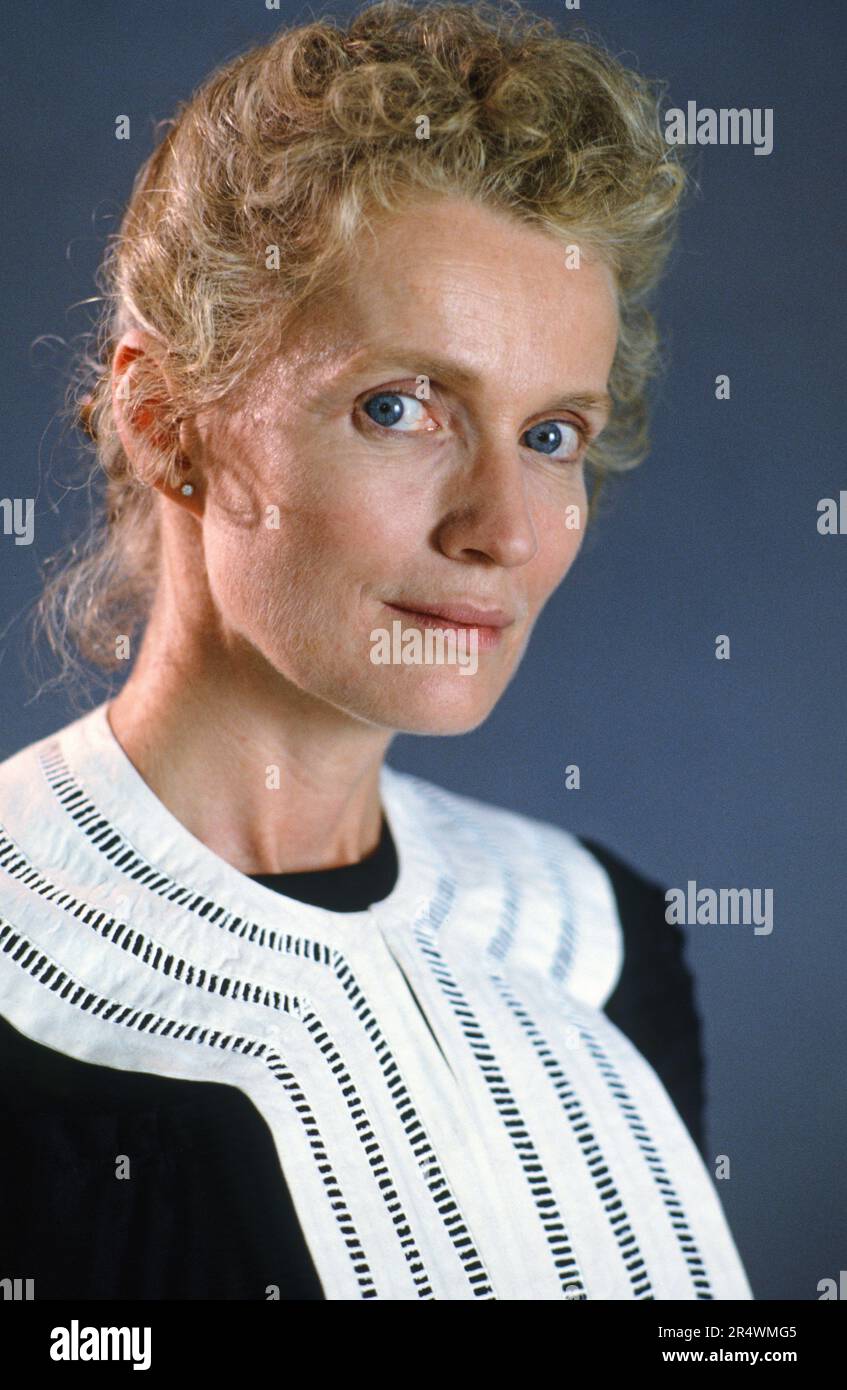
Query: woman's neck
[[271, 786]]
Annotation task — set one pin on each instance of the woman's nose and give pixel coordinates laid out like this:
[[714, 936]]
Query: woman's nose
[[487, 509]]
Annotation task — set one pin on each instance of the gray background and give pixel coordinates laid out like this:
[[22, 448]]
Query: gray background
[[731, 773]]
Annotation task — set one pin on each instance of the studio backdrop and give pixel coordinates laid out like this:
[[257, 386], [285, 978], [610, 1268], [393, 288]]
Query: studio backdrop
[[682, 699]]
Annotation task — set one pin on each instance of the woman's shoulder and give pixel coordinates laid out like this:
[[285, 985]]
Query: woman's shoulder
[[623, 955], [23, 785], [41, 786], [481, 834], [490, 830], [16, 771], [29, 816], [655, 1001]]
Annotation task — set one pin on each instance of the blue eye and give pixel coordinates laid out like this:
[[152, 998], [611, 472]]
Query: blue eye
[[400, 412], [549, 436], [386, 408]]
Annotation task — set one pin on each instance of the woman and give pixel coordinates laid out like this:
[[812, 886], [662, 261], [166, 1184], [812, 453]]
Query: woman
[[281, 1021]]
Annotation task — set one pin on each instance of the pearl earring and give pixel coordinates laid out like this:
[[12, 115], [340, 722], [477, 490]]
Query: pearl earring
[[187, 489]]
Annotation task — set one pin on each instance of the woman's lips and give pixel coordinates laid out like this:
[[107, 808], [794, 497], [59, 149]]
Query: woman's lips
[[487, 623]]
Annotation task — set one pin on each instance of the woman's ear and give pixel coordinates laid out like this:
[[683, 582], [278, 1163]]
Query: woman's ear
[[141, 399]]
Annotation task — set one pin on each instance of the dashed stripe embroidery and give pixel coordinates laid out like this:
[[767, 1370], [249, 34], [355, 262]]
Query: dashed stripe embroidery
[[563, 955], [504, 937], [679, 1220], [564, 1259], [156, 957], [448, 1208], [48, 973], [122, 854], [616, 1213]]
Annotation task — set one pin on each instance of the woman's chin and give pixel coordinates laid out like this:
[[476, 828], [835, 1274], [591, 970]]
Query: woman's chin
[[453, 705]]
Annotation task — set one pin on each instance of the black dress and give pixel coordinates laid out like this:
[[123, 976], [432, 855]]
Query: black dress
[[187, 1226]]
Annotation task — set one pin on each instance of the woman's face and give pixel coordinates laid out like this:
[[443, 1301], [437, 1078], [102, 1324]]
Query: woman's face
[[335, 494]]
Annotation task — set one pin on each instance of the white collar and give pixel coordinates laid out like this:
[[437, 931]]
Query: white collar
[[528, 883]]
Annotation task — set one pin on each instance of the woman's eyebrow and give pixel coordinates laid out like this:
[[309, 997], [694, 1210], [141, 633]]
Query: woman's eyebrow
[[453, 375]]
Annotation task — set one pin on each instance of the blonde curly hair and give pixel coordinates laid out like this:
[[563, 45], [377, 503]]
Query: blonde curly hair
[[294, 145]]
